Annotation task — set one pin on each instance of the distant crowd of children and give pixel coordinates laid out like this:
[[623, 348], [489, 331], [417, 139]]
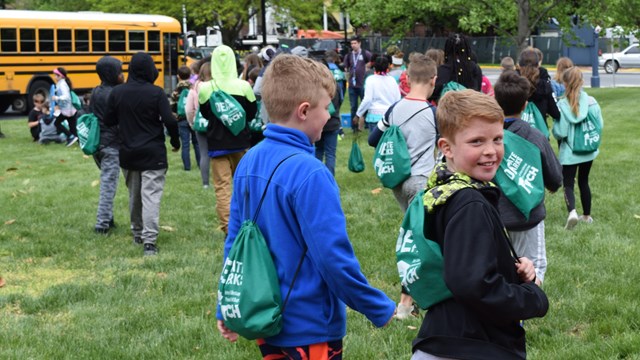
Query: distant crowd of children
[[462, 135]]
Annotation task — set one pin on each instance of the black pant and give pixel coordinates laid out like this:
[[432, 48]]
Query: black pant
[[72, 125], [568, 181]]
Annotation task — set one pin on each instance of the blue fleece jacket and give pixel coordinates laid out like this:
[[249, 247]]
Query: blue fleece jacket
[[302, 207]]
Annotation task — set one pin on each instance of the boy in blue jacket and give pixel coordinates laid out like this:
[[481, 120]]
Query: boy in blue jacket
[[296, 93], [492, 288]]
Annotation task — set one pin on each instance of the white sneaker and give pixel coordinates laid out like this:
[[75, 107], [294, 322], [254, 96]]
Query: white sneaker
[[572, 220], [586, 218]]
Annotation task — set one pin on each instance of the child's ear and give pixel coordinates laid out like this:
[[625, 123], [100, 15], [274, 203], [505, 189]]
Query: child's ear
[[433, 80], [302, 109], [524, 106], [445, 146]]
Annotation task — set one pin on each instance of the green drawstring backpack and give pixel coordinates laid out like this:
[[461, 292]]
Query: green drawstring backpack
[[200, 123], [451, 86], [520, 173], [587, 135], [88, 128], [356, 162], [533, 116], [249, 289], [420, 261], [228, 110]]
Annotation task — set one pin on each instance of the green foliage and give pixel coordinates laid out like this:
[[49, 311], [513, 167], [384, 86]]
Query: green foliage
[[230, 15], [516, 19], [72, 294]]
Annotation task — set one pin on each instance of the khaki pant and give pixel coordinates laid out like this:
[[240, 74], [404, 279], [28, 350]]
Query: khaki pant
[[222, 170]]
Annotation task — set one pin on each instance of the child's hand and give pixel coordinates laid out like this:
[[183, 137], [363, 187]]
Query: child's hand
[[226, 333], [525, 269]]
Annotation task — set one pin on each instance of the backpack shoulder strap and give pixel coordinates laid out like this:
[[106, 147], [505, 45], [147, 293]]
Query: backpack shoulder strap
[[414, 114], [435, 124], [255, 217], [264, 193], [387, 114]]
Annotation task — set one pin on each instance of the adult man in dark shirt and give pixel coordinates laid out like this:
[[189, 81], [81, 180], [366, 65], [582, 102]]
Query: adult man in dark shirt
[[355, 63]]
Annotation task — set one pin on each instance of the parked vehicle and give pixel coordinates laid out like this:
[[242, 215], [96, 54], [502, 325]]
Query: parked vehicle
[[629, 57], [320, 47]]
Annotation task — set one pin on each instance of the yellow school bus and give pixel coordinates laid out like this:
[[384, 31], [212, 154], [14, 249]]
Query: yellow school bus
[[33, 43]]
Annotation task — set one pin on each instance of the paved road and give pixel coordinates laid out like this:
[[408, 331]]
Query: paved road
[[624, 78], [620, 79]]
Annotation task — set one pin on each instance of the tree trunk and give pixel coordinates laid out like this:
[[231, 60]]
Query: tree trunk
[[523, 25]]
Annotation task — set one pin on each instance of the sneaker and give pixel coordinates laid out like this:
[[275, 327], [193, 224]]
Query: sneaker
[[150, 250], [137, 240], [586, 218], [72, 140], [404, 311], [102, 231], [112, 224], [205, 186], [572, 220]]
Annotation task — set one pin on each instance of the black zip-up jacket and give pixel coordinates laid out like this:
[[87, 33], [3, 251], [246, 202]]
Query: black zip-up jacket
[[141, 110], [482, 320]]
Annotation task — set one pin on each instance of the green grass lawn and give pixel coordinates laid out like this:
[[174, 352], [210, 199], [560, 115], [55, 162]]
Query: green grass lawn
[[72, 294]]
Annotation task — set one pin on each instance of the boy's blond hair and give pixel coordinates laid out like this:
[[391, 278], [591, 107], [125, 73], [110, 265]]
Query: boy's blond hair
[[291, 80], [421, 69], [457, 108]]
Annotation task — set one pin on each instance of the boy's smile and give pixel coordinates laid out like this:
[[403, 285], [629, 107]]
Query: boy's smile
[[477, 150]]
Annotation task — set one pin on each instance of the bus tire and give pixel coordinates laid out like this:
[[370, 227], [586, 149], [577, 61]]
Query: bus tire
[[4, 104], [37, 86], [19, 104]]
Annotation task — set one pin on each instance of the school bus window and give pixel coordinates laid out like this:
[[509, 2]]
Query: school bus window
[[98, 40], [136, 40], [117, 40], [64, 40], [82, 40], [154, 41], [46, 40], [27, 40], [8, 40]]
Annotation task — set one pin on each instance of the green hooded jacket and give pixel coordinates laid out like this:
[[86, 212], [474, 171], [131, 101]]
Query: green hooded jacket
[[224, 76], [563, 129]]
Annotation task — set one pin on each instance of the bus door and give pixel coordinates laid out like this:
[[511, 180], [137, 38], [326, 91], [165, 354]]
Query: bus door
[[170, 41]]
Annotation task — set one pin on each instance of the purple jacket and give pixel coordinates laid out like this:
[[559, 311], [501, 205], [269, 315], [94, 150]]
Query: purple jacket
[[355, 64]]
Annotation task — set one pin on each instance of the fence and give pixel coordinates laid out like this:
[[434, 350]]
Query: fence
[[489, 49]]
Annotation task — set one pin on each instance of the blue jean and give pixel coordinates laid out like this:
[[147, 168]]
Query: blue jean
[[326, 149], [354, 94], [187, 135]]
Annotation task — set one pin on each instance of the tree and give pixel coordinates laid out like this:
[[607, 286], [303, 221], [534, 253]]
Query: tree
[[516, 19], [230, 15]]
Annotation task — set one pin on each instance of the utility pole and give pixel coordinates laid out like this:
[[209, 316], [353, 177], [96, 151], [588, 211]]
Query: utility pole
[[595, 77], [264, 23]]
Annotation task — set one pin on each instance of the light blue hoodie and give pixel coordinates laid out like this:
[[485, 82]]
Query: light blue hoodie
[[563, 129]]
